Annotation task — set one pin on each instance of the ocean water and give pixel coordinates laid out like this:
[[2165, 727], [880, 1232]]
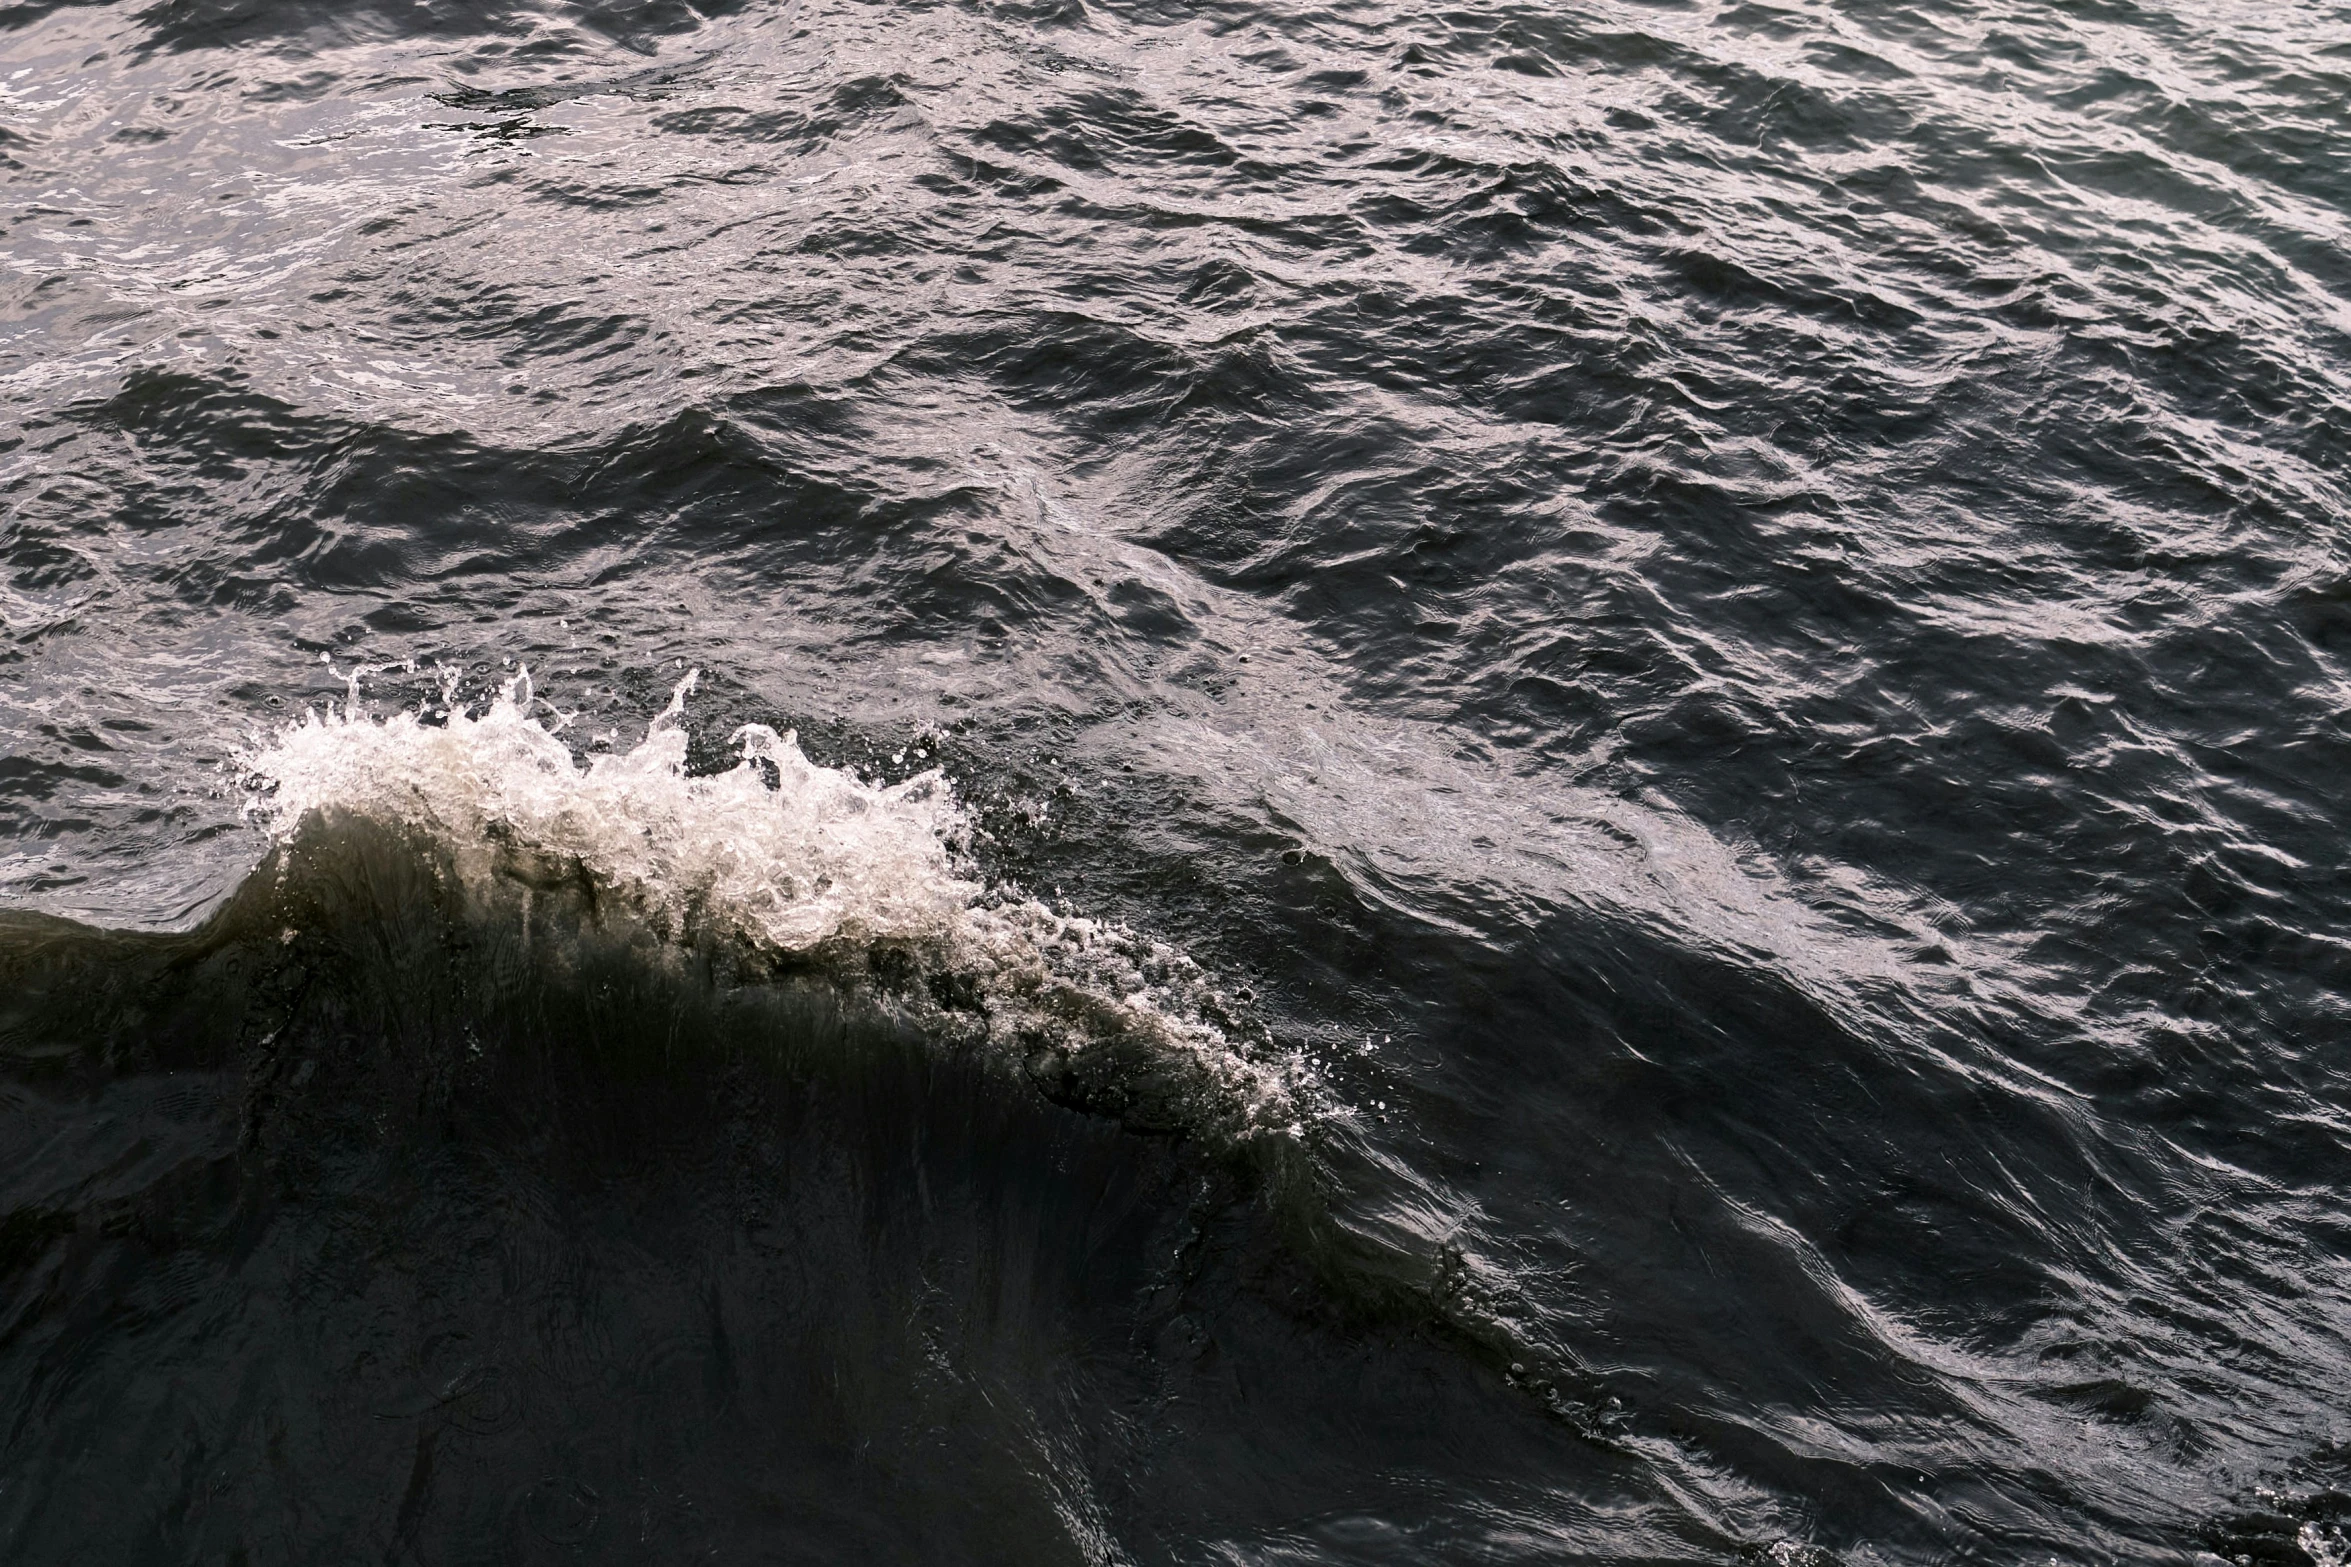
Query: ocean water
[[1175, 781]]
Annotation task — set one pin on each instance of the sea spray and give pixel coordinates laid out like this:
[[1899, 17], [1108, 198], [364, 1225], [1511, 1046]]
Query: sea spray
[[796, 861]]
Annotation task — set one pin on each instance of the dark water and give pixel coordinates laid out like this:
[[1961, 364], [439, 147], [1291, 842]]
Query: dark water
[[1725, 628]]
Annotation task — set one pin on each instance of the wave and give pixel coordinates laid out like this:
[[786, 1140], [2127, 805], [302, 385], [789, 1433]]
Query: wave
[[801, 866], [454, 892]]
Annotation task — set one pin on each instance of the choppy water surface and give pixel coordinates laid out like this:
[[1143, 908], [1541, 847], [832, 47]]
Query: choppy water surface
[[1472, 784]]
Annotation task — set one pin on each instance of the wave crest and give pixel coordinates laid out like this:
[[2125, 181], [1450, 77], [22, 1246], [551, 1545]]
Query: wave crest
[[810, 864]]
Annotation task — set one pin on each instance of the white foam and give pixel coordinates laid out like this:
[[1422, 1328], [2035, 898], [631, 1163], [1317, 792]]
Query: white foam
[[820, 855], [797, 859]]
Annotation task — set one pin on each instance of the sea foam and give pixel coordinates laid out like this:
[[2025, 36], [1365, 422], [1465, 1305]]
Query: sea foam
[[803, 861]]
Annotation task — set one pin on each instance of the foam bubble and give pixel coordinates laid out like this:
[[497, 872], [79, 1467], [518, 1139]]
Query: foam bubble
[[802, 860]]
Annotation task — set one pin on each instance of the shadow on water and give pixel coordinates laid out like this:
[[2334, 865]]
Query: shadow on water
[[378, 1216]]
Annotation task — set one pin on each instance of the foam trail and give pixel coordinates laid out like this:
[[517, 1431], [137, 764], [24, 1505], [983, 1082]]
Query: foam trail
[[803, 860]]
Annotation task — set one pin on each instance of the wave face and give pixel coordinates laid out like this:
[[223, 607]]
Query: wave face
[[567, 1229], [1504, 784]]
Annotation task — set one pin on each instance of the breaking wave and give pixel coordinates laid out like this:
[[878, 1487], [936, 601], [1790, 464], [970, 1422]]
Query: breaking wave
[[801, 866]]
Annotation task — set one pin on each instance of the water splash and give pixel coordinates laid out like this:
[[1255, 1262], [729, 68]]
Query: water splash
[[809, 862]]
